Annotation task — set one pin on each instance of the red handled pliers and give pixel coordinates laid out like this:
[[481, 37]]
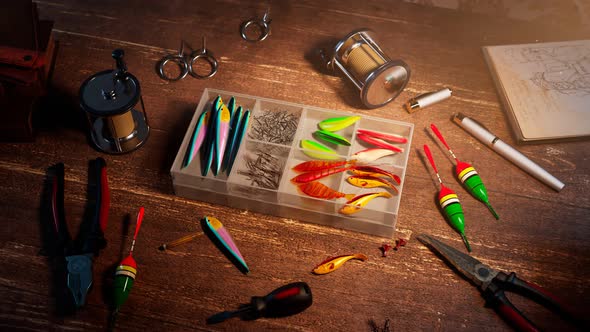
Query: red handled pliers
[[492, 283], [79, 254]]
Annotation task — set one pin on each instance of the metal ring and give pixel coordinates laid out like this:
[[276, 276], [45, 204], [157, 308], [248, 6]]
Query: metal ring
[[264, 29], [178, 59], [207, 57]]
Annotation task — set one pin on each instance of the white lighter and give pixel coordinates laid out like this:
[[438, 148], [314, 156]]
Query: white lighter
[[427, 99]]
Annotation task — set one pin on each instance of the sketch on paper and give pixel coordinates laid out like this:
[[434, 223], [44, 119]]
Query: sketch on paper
[[564, 69]]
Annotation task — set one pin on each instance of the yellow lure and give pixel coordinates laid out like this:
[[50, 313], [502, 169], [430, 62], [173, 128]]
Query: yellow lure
[[333, 263], [355, 204]]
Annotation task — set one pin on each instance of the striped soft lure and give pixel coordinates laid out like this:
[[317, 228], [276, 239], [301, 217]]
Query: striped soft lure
[[197, 138], [375, 171], [318, 165], [331, 137], [386, 137], [367, 181], [237, 140], [316, 150], [358, 202], [316, 175], [236, 118], [338, 123], [333, 263], [369, 155], [223, 118], [219, 234], [379, 143], [319, 190]]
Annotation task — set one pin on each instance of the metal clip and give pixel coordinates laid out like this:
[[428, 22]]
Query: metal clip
[[262, 24]]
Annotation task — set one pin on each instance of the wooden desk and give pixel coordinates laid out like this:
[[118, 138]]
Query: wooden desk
[[544, 236]]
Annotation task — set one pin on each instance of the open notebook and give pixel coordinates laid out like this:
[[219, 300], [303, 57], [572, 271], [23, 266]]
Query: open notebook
[[545, 88]]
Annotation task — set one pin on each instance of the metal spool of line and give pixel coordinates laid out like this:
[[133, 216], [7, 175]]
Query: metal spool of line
[[114, 107], [378, 78]]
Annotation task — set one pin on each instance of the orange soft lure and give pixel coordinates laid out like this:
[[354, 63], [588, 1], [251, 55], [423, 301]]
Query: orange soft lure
[[320, 165], [319, 190], [334, 263], [316, 175]]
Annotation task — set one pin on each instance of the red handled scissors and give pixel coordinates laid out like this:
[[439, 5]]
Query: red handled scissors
[[493, 283]]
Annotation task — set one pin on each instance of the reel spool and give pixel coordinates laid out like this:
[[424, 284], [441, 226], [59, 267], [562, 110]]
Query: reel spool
[[378, 78], [114, 107]]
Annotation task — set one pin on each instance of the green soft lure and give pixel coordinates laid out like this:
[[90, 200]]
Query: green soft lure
[[331, 137], [449, 203], [339, 123], [316, 150], [468, 176]]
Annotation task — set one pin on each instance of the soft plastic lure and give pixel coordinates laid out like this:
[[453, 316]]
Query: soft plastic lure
[[367, 181], [380, 140], [339, 123], [126, 271], [386, 137], [358, 202], [449, 203], [375, 171], [231, 106], [316, 175], [331, 137], [318, 165], [369, 155], [468, 176], [208, 150], [319, 190], [220, 236], [198, 138], [241, 132], [223, 118], [233, 135], [316, 150], [333, 263]]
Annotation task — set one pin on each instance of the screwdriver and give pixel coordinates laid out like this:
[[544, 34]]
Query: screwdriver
[[284, 301]]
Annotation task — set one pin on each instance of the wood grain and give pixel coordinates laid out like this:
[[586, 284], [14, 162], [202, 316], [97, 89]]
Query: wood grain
[[542, 235]]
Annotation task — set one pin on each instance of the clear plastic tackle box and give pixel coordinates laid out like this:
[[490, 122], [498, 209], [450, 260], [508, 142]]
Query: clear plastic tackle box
[[260, 179]]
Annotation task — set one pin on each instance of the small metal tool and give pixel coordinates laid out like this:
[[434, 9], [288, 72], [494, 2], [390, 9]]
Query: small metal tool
[[262, 24]]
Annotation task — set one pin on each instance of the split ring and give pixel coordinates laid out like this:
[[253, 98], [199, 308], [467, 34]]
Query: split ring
[[207, 57], [264, 27], [180, 61]]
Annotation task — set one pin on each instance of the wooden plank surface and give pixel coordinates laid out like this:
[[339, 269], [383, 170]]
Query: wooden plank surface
[[543, 236]]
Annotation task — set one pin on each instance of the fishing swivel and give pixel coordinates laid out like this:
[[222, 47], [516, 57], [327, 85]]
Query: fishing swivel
[[186, 63], [262, 25]]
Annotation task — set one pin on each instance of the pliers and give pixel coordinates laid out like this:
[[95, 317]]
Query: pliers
[[492, 283], [79, 254]]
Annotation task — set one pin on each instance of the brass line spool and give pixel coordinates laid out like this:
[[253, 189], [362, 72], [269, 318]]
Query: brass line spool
[[114, 107], [378, 78]]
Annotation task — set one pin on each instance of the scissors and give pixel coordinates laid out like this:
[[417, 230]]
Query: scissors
[[79, 253], [492, 283]]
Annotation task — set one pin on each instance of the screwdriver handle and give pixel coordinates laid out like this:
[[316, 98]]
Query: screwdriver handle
[[285, 301]]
